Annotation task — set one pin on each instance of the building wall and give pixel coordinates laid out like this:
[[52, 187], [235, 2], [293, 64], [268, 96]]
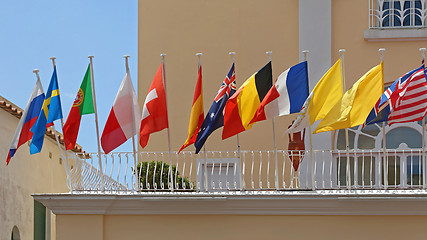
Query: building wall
[[183, 28], [26, 175], [349, 21], [109, 227]]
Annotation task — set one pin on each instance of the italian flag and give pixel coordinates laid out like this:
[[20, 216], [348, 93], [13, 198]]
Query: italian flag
[[83, 104]]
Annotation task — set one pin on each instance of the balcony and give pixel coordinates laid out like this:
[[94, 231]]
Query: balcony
[[254, 172]]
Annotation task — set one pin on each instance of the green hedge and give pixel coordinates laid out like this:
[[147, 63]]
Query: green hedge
[[142, 173]]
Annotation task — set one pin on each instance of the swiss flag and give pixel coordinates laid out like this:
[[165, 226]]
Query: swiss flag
[[154, 111]]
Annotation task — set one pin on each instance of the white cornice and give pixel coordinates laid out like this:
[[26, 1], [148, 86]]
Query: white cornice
[[246, 203]]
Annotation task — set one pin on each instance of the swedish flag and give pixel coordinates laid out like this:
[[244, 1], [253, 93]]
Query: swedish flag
[[51, 111]]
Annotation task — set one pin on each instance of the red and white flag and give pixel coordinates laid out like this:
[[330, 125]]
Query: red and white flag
[[122, 123], [409, 101], [154, 111]]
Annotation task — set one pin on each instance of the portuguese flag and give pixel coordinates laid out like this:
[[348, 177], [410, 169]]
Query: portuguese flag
[[83, 104]]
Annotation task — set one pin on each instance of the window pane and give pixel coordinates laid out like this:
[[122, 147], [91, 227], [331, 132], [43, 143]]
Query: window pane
[[366, 171], [414, 170], [393, 170]]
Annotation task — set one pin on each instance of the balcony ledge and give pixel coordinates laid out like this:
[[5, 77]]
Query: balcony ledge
[[395, 34], [326, 202]]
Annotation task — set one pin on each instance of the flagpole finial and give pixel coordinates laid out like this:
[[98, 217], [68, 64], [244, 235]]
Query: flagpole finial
[[199, 54], [90, 56], [232, 53], [126, 57], [382, 50], [269, 55], [342, 51], [163, 55], [305, 53], [36, 71], [53, 61]]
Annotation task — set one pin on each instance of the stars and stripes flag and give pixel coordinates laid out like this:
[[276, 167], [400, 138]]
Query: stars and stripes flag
[[403, 100], [409, 102]]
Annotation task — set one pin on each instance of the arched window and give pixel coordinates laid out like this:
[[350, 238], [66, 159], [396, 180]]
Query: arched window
[[15, 233], [403, 165]]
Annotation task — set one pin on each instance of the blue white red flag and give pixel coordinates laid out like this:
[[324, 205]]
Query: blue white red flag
[[28, 118], [403, 101], [215, 117], [287, 95], [51, 110]]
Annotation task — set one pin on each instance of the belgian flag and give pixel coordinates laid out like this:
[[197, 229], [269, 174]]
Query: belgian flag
[[242, 106]]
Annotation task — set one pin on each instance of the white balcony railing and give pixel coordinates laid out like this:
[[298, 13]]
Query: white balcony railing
[[252, 171], [397, 13]]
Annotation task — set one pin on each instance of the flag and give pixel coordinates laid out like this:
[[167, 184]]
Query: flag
[[353, 108], [28, 118], [51, 110], [154, 111], [381, 110], [197, 114], [122, 123], [287, 95], [83, 104], [408, 101], [323, 97], [215, 117], [242, 106]]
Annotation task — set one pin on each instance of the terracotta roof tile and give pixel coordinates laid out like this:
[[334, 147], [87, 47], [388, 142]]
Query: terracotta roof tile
[[17, 112]]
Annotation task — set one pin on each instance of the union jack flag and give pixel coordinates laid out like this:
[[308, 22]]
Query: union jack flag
[[402, 101], [215, 117], [227, 85]]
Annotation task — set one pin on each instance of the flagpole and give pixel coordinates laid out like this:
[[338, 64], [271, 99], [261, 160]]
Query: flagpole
[[342, 51], [163, 55], [276, 172], [237, 135], [313, 187], [126, 57], [199, 55], [385, 162], [424, 130], [92, 81], [67, 170]]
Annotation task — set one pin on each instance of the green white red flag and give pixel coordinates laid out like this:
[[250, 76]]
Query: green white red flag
[[83, 104]]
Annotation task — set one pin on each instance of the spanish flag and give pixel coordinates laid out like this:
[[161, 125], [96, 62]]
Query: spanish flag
[[242, 106], [197, 114]]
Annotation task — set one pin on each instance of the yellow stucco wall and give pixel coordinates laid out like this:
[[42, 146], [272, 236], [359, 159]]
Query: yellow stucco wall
[[98, 227], [24, 176], [183, 28], [349, 21]]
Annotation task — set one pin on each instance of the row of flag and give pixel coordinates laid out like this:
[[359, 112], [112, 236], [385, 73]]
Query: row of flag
[[258, 98]]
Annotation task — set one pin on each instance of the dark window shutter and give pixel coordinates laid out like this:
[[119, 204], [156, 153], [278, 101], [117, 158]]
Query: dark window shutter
[[39, 221]]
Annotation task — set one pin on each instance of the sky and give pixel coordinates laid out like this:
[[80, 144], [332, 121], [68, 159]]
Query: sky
[[33, 31]]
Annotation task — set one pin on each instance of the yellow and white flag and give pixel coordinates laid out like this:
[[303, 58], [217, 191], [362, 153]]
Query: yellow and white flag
[[354, 107]]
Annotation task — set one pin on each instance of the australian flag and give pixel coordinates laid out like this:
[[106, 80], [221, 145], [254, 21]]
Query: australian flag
[[384, 105], [215, 117]]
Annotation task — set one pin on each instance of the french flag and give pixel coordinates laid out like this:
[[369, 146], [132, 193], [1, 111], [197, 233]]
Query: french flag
[[29, 117], [287, 95]]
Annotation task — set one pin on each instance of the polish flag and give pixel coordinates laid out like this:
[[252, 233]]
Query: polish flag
[[154, 111], [122, 123]]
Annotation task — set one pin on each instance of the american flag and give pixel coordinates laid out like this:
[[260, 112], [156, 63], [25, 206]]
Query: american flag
[[382, 109], [408, 103]]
